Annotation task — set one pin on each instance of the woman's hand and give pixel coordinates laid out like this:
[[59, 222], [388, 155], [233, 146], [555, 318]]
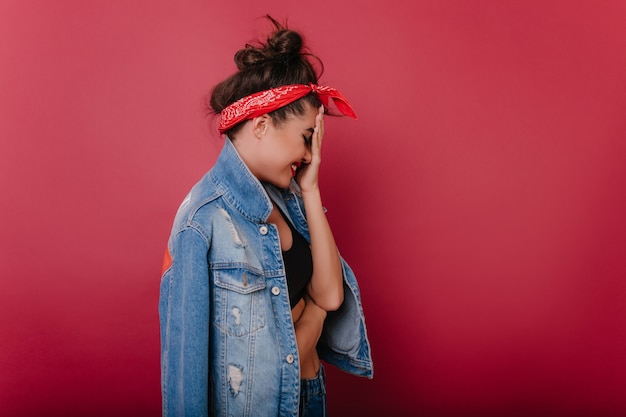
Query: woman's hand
[[307, 177]]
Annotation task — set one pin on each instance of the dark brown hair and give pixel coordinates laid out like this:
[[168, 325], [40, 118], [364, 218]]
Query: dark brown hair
[[281, 60]]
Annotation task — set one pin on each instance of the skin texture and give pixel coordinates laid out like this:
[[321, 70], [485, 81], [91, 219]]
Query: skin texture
[[271, 152]]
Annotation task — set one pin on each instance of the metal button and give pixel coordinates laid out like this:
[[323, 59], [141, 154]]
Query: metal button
[[263, 230], [289, 358], [275, 290]]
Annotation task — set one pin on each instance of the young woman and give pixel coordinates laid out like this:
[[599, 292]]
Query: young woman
[[254, 291]]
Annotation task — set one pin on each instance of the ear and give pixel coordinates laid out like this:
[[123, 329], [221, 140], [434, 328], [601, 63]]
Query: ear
[[260, 125]]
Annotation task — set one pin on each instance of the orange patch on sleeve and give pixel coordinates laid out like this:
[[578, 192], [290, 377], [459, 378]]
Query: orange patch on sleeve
[[167, 261]]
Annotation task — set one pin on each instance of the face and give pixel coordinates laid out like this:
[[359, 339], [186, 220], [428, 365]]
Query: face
[[284, 147]]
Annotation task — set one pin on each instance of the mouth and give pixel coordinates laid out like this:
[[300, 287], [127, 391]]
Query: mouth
[[294, 168]]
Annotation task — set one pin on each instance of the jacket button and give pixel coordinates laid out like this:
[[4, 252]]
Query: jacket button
[[289, 358], [275, 290], [263, 230]]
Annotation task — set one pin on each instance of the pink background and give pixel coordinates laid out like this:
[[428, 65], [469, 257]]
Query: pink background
[[480, 196]]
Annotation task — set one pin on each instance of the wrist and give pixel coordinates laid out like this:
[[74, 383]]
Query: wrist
[[311, 193]]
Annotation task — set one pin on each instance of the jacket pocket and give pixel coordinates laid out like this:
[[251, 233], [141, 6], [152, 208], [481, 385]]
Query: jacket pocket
[[239, 300]]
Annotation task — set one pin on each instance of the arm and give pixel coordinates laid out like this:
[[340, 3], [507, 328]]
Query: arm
[[308, 327], [184, 320], [326, 286]]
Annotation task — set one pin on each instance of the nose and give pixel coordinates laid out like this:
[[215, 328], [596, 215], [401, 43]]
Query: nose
[[307, 156]]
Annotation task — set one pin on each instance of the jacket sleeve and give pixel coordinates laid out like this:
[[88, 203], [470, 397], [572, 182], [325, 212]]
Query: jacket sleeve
[[184, 324], [344, 342]]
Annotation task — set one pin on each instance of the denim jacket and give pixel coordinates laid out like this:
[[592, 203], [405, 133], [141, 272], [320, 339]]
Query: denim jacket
[[228, 345]]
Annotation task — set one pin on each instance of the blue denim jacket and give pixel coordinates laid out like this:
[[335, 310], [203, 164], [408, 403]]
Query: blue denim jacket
[[228, 345]]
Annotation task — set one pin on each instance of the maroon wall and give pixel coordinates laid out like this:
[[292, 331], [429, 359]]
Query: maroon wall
[[480, 196]]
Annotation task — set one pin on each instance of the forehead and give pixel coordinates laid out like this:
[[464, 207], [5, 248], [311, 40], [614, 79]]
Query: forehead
[[305, 121]]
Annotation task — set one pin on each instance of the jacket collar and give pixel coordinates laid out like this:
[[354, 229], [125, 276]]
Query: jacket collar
[[238, 186]]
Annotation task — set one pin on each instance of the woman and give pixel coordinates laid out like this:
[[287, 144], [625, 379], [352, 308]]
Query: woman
[[254, 291]]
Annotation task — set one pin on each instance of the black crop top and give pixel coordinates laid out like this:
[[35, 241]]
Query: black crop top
[[298, 265]]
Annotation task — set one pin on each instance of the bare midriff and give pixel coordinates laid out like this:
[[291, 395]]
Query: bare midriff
[[308, 318]]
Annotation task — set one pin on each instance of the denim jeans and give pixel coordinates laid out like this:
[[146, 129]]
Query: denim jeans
[[313, 395]]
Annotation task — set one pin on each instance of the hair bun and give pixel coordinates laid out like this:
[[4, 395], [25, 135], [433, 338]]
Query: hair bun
[[249, 56], [285, 44], [282, 46]]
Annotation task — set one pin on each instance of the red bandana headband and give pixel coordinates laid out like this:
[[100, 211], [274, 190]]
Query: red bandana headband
[[263, 102]]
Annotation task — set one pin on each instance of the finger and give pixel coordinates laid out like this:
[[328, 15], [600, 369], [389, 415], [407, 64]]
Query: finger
[[316, 141], [319, 124]]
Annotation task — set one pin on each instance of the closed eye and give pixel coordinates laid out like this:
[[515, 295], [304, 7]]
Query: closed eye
[[308, 141]]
